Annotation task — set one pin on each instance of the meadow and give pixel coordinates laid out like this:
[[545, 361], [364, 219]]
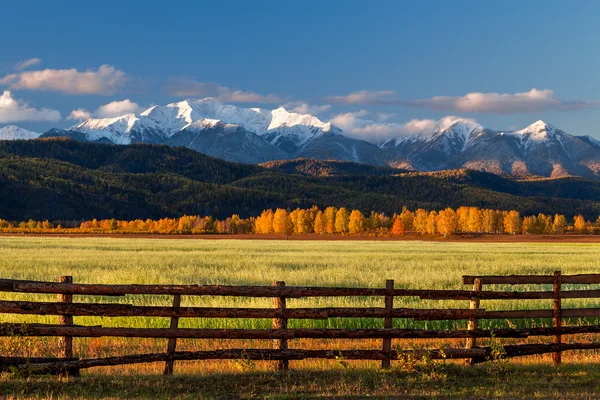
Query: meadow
[[412, 264]]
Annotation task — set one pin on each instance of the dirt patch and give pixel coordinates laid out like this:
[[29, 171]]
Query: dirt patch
[[461, 237]]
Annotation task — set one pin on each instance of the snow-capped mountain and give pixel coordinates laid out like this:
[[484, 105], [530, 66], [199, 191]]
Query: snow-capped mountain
[[539, 149], [256, 135], [285, 130], [12, 132]]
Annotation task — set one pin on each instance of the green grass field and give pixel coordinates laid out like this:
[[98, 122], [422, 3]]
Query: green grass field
[[412, 264]]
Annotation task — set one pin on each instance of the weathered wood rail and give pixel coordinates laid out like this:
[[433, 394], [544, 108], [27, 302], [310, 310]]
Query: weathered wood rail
[[67, 309]]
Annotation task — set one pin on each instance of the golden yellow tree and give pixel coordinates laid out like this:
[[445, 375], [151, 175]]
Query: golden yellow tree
[[342, 218], [559, 225], [282, 223], [407, 218], [320, 223], [329, 215], [512, 222], [264, 223], [420, 221], [356, 223], [432, 223], [447, 222], [474, 223], [579, 224]]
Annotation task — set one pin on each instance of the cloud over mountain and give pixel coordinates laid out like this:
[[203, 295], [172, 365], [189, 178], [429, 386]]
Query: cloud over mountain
[[355, 125], [112, 109], [500, 103], [12, 110]]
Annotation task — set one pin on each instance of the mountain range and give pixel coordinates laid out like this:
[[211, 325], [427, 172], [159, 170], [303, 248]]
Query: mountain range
[[254, 135]]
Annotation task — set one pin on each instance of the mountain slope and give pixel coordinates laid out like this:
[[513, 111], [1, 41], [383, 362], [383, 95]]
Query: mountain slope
[[69, 180]]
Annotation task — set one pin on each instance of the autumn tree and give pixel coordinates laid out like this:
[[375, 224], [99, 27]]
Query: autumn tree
[[530, 225], [420, 221], [303, 222], [559, 225], [342, 218], [329, 215], [398, 228], [356, 223], [407, 218], [432, 223], [264, 223], [474, 222], [447, 222], [512, 222], [282, 224], [320, 223], [580, 224]]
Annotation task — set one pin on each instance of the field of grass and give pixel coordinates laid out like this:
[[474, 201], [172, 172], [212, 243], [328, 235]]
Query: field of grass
[[412, 264]]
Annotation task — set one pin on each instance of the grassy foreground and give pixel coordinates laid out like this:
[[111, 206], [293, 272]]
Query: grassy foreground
[[435, 265], [518, 382]]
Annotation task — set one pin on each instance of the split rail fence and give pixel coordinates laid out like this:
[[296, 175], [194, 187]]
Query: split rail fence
[[66, 309]]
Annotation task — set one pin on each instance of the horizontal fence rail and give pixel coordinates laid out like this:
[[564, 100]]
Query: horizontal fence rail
[[281, 334]]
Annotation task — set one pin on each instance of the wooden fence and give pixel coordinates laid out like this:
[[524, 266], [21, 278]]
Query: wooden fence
[[281, 354]]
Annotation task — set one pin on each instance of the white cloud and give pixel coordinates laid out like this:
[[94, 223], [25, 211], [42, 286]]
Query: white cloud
[[21, 65], [301, 107], [80, 114], [112, 109], [353, 125], [117, 108], [12, 110], [105, 80], [366, 97], [500, 103], [183, 87]]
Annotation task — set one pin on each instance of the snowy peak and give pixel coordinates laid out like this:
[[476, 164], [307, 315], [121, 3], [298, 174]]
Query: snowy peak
[[12, 132], [540, 133], [279, 127]]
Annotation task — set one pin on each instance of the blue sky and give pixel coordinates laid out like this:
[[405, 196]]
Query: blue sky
[[403, 60]]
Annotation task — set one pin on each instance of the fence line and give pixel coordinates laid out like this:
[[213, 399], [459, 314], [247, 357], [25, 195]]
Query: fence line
[[280, 313]]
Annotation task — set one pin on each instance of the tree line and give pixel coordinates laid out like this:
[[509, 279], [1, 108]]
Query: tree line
[[331, 220]]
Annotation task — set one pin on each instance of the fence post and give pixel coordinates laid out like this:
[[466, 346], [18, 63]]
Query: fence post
[[65, 343], [473, 323], [556, 314], [387, 322], [172, 341], [280, 323]]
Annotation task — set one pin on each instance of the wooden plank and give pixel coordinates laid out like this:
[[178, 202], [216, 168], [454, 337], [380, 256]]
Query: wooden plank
[[279, 303], [114, 310], [480, 354], [388, 322], [495, 295], [252, 291], [172, 345], [14, 330], [257, 354], [556, 316], [531, 279]]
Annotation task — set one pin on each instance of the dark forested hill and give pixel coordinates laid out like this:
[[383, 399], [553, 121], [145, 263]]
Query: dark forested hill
[[60, 179]]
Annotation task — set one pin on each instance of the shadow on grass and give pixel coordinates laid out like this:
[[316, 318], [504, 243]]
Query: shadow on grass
[[572, 381]]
